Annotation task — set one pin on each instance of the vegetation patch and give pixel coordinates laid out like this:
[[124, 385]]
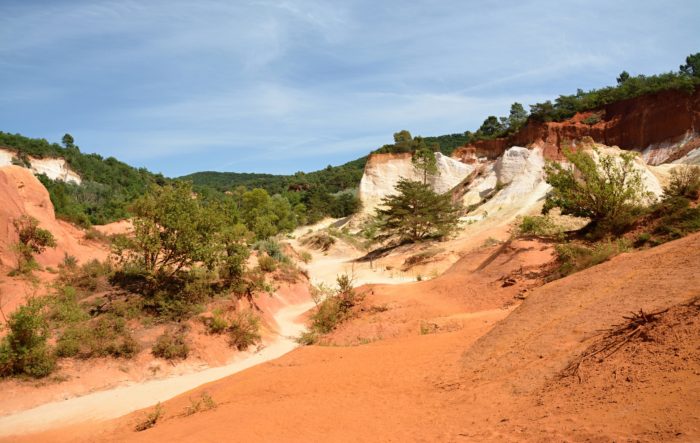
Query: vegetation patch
[[24, 351], [333, 306], [319, 240], [171, 345]]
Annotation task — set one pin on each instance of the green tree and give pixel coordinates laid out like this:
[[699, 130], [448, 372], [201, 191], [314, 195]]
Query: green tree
[[172, 232], [416, 212], [68, 141], [490, 128], [517, 117], [424, 161], [623, 77], [604, 188], [692, 65]]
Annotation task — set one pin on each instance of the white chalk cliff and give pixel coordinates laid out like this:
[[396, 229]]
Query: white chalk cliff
[[383, 172], [53, 168]]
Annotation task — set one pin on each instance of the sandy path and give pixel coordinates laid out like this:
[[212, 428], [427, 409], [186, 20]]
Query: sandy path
[[116, 402]]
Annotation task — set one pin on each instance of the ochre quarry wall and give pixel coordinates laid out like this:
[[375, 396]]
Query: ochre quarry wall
[[663, 126]]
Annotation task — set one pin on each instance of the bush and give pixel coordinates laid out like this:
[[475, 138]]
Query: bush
[[605, 188], [171, 346], [592, 119], [24, 350], [332, 307], [244, 331], [267, 263], [539, 226], [577, 257], [684, 181], [91, 277], [217, 323], [95, 235], [675, 218], [100, 337], [64, 307]]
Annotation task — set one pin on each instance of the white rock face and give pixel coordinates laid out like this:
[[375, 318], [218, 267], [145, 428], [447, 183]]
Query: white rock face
[[54, 168], [520, 172], [383, 172], [5, 158], [660, 153], [650, 181]]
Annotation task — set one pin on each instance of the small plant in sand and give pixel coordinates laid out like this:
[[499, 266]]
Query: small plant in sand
[[151, 419], [203, 403]]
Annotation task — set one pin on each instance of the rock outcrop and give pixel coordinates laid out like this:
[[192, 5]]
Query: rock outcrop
[[664, 127], [53, 168], [383, 172]]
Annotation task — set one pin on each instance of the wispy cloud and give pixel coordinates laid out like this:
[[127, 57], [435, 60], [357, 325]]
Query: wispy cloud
[[296, 84]]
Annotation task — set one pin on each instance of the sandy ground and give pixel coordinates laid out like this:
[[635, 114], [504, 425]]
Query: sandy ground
[[496, 375]]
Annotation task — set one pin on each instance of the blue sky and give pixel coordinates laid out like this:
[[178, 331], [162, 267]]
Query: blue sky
[[282, 86]]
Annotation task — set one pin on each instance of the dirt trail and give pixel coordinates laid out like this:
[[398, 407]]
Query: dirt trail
[[116, 402]]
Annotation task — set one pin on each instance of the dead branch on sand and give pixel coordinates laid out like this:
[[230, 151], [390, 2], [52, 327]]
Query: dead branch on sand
[[615, 338]]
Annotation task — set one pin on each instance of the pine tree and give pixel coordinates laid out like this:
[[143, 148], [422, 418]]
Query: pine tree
[[416, 212]]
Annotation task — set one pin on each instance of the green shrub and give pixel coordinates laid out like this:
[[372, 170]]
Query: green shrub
[[539, 226], [267, 263], [604, 188], [217, 323], [103, 336], [24, 350], [244, 331], [332, 307], [592, 119], [684, 181], [171, 346], [64, 307], [272, 248], [576, 257], [95, 235], [91, 277]]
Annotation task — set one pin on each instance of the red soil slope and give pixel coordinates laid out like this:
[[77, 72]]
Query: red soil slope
[[21, 193], [475, 382], [666, 123]]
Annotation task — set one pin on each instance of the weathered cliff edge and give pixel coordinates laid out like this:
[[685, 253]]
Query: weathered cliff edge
[[664, 127]]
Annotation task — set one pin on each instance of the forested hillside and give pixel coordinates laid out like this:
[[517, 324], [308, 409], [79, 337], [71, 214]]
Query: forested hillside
[[108, 185]]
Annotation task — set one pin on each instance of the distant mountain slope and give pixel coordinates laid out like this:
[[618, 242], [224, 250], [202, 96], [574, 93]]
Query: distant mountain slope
[[332, 178]]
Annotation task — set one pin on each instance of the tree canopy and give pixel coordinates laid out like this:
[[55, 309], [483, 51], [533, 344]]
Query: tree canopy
[[416, 212]]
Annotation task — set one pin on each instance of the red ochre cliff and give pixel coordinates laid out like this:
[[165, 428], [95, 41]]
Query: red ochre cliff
[[663, 126]]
